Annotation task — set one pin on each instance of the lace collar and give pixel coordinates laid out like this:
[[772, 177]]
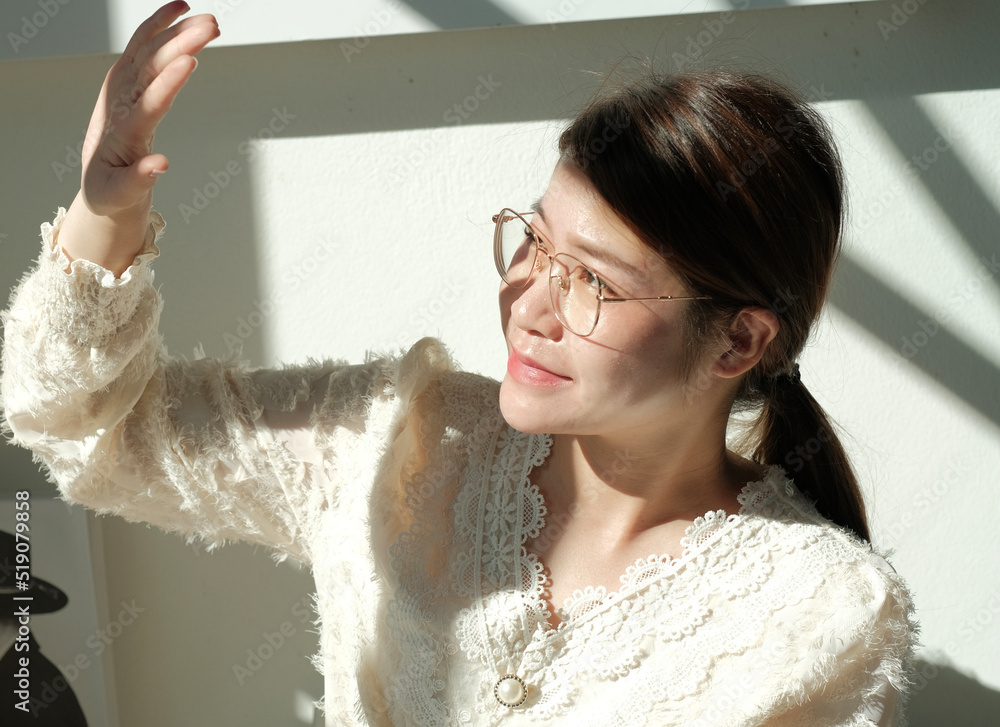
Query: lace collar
[[507, 621]]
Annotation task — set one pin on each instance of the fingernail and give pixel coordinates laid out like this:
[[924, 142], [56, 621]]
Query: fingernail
[[195, 64], [157, 172]]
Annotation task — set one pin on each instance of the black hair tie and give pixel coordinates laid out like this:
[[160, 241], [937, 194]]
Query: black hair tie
[[788, 379]]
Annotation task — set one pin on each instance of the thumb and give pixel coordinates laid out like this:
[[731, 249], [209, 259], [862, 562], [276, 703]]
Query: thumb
[[128, 185], [147, 170]]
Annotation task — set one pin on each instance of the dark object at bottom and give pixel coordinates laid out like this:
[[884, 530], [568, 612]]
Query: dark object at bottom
[[51, 699]]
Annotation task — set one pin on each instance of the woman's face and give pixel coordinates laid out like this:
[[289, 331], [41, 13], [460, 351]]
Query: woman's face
[[628, 374]]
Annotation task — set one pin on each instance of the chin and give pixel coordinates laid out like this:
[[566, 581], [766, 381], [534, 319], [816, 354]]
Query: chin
[[525, 413]]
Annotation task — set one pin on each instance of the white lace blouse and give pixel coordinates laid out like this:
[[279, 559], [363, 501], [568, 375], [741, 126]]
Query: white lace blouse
[[400, 484]]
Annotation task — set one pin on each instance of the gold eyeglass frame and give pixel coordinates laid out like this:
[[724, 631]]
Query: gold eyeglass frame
[[555, 280]]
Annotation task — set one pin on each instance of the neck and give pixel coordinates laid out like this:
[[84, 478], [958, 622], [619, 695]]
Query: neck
[[630, 485]]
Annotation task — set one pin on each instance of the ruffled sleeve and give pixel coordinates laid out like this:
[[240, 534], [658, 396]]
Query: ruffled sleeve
[[854, 651], [70, 335], [213, 449]]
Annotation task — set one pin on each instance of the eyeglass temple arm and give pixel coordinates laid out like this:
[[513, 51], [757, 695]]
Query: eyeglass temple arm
[[509, 218], [605, 299]]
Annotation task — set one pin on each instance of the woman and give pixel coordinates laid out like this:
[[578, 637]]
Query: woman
[[553, 548]]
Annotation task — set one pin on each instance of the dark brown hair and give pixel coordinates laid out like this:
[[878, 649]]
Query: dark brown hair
[[737, 183]]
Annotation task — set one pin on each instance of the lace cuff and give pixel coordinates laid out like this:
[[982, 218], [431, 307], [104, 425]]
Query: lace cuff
[[89, 304]]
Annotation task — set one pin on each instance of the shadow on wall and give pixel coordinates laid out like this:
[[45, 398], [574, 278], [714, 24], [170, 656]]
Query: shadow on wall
[[944, 692], [908, 326], [918, 330], [36, 29], [449, 15]]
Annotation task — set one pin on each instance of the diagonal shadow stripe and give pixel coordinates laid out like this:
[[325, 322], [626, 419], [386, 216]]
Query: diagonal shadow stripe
[[453, 14], [944, 357], [947, 179]]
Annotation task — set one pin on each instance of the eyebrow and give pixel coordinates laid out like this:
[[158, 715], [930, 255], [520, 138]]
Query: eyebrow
[[593, 251]]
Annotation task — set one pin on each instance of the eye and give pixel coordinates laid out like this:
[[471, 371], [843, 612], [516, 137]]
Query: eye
[[533, 239], [588, 278], [522, 249]]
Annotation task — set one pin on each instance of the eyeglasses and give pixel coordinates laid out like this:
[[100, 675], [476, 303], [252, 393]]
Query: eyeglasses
[[575, 290]]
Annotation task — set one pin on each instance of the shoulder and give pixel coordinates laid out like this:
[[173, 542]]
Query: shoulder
[[457, 414], [794, 526], [842, 594], [429, 380], [432, 403]]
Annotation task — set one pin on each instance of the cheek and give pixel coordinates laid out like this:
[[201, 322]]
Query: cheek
[[652, 358]]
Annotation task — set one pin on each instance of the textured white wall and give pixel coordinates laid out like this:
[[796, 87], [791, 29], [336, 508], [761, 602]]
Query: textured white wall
[[356, 216]]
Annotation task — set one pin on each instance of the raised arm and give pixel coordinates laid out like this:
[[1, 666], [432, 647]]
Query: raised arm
[[210, 448]]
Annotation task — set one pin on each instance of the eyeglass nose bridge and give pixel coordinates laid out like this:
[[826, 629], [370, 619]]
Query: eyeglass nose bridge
[[557, 280], [558, 271], [560, 291]]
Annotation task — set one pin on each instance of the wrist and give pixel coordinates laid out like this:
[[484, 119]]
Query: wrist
[[111, 241]]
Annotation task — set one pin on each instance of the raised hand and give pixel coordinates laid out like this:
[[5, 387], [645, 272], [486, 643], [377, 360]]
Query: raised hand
[[109, 218]]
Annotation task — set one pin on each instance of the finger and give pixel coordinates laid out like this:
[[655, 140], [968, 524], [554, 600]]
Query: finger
[[130, 75], [127, 82], [187, 37], [156, 22], [158, 97]]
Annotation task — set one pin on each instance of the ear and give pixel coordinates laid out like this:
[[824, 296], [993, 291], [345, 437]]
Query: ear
[[751, 332]]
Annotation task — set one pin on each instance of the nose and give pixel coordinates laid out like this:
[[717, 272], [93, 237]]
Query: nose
[[530, 308]]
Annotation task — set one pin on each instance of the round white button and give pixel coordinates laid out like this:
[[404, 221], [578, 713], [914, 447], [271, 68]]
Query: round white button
[[510, 690]]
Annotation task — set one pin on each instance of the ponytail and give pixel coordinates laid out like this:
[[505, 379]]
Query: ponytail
[[794, 432]]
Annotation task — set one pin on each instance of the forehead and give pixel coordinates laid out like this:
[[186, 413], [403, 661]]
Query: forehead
[[578, 220]]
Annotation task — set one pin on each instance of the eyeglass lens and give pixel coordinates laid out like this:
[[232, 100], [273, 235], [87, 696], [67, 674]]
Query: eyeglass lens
[[573, 288]]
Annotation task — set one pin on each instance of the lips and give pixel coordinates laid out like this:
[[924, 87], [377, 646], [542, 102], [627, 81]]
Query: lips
[[525, 370]]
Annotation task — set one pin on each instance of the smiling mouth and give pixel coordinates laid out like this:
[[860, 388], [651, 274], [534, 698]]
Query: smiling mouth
[[526, 371]]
